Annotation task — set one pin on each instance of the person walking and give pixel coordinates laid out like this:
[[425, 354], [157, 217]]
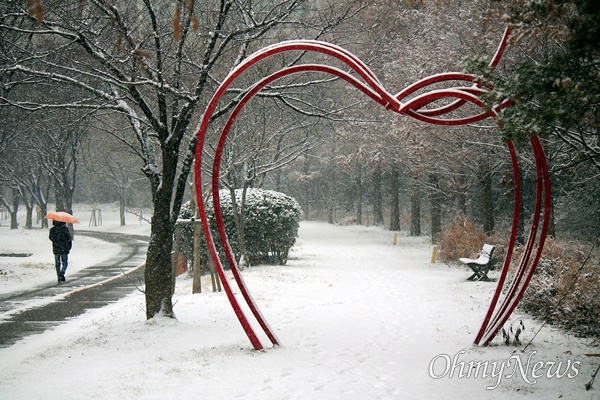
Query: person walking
[[61, 245]]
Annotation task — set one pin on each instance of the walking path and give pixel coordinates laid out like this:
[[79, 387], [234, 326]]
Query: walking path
[[32, 312]]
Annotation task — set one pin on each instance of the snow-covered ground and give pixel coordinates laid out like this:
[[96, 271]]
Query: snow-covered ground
[[358, 318]]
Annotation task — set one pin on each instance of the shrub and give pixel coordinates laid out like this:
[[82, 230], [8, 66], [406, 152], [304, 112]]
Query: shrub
[[271, 225], [461, 239], [579, 308]]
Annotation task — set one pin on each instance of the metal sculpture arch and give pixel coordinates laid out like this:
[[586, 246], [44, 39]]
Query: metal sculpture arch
[[499, 310]]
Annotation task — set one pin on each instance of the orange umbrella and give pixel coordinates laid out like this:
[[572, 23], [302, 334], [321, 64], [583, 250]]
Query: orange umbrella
[[62, 216]]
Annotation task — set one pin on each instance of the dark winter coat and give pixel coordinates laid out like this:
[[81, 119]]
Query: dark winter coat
[[61, 238]]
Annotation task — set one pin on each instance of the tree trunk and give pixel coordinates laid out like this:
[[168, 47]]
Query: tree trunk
[[551, 222], [158, 272], [330, 213], [14, 211], [377, 196], [487, 199], [436, 207], [44, 211], [461, 198], [331, 193], [43, 204], [59, 197], [29, 213], [197, 263], [395, 199], [28, 217], [359, 195], [158, 275], [597, 224], [278, 186], [122, 205], [415, 211], [520, 239], [239, 221], [306, 210]]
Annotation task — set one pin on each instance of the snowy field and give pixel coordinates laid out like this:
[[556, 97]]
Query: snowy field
[[358, 319]]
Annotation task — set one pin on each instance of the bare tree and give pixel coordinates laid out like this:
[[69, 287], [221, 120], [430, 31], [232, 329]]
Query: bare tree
[[155, 63]]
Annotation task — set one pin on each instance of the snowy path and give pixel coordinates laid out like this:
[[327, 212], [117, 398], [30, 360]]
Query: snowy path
[[365, 310], [38, 308], [359, 319]]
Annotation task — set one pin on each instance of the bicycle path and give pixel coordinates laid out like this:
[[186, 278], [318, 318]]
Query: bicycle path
[[34, 311]]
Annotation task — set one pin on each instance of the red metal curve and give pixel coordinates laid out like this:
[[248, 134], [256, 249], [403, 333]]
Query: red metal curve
[[416, 103], [414, 108], [411, 107], [511, 243], [524, 263], [423, 100], [323, 48], [447, 109], [435, 78], [220, 271], [501, 48], [457, 121], [216, 168], [361, 66], [220, 147], [544, 192], [246, 326], [327, 49], [216, 172]]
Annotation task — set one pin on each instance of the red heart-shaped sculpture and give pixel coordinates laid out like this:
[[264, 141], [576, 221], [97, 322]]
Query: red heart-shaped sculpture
[[498, 311]]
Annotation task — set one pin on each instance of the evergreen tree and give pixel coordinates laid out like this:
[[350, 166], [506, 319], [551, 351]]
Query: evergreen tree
[[556, 90]]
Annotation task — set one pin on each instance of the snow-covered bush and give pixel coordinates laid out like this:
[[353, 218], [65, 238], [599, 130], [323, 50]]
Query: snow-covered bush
[[564, 289], [271, 221]]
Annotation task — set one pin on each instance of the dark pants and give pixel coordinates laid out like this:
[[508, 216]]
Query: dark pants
[[61, 262]]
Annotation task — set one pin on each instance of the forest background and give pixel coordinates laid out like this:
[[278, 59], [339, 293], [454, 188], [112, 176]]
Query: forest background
[[100, 102]]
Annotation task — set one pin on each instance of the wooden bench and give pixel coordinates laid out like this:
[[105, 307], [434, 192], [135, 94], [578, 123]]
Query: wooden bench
[[480, 265]]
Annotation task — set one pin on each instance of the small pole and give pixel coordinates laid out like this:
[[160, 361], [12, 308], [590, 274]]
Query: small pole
[[434, 254], [395, 238], [196, 273], [211, 268], [216, 283], [93, 218], [175, 257]]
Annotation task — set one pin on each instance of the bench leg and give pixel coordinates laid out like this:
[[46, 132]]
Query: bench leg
[[484, 272], [479, 274]]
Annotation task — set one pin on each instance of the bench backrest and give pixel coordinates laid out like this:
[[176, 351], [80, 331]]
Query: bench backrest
[[488, 250]]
